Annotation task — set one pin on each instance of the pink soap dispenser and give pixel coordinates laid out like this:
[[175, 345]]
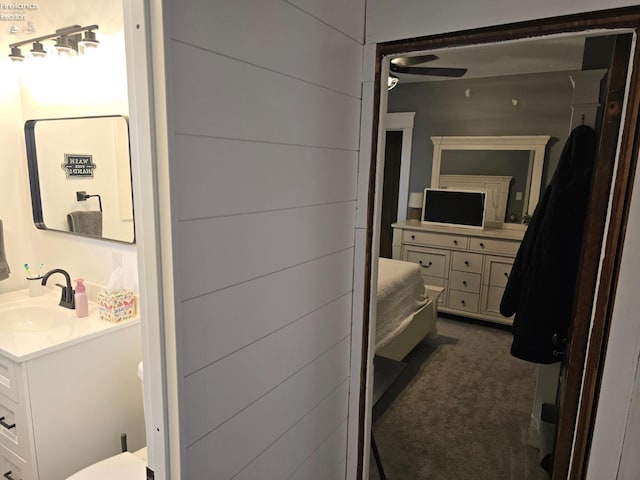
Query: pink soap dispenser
[[82, 303]]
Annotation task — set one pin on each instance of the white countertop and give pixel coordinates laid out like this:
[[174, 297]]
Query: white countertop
[[500, 233], [21, 344]]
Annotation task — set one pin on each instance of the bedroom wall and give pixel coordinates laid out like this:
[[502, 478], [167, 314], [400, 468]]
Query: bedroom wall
[[411, 18], [544, 108], [263, 106]]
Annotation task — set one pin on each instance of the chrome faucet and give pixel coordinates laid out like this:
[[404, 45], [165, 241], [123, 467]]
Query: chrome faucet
[[67, 299]]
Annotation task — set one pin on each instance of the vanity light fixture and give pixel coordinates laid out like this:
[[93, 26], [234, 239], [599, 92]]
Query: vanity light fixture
[[38, 50], [89, 40], [67, 40], [16, 54], [65, 46]]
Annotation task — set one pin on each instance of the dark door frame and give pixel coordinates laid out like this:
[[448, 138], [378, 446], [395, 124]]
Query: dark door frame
[[585, 354]]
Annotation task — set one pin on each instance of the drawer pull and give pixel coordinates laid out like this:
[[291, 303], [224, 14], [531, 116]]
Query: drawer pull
[[413, 237], [466, 262], [5, 424], [463, 302], [464, 282], [455, 242], [8, 475], [506, 274], [481, 245], [425, 266]]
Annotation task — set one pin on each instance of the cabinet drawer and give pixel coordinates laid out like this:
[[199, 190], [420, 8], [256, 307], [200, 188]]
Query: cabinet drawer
[[13, 428], [466, 262], [433, 263], [497, 270], [492, 296], [464, 301], [489, 245], [465, 282], [12, 466], [8, 378], [436, 239]]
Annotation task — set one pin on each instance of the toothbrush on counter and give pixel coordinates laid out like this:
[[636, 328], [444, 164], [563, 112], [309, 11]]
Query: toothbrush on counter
[[26, 268], [41, 271]]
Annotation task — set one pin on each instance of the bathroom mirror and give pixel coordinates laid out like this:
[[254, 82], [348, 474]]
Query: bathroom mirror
[[80, 176], [509, 168]]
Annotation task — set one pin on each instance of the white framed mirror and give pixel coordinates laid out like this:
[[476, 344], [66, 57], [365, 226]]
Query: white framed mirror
[[509, 168]]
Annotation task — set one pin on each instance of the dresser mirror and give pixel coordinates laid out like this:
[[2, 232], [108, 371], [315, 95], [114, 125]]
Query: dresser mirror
[[508, 168], [80, 176]]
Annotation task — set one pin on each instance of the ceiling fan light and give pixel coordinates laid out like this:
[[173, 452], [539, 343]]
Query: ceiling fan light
[[392, 81], [16, 54]]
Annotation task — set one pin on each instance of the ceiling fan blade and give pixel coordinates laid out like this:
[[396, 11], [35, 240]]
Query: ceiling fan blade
[[410, 61], [437, 72]]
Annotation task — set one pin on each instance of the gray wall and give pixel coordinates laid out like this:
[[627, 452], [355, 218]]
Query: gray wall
[[544, 108], [264, 120]]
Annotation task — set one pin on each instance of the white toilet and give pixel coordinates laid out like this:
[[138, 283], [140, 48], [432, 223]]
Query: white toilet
[[124, 466]]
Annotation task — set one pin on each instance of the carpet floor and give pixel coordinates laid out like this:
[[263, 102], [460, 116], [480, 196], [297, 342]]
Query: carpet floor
[[459, 411]]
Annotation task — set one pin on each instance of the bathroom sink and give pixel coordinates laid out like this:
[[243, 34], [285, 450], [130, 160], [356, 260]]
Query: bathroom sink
[[34, 326], [33, 318], [29, 324]]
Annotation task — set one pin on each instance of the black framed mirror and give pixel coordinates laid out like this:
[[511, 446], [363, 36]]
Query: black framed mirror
[[80, 176]]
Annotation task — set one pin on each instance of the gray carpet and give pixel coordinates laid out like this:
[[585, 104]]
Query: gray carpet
[[459, 411]]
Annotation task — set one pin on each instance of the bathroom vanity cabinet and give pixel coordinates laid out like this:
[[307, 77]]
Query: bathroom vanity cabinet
[[65, 407], [472, 265]]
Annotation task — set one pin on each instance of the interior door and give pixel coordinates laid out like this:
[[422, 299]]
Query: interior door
[[573, 349], [392, 162]]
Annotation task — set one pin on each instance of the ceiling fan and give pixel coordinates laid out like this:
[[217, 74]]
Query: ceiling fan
[[406, 65]]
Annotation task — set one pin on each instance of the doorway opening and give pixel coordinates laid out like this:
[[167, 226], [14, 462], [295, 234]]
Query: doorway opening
[[591, 297]]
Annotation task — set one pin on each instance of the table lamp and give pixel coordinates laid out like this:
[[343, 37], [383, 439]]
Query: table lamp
[[415, 205]]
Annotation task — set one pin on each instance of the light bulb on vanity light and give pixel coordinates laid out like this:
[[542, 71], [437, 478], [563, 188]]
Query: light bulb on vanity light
[[88, 42], [38, 50]]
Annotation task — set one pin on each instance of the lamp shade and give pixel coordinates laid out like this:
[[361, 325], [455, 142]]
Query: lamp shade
[[415, 199]]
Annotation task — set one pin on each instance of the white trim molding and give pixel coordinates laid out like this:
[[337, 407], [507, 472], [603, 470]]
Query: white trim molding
[[395, 122]]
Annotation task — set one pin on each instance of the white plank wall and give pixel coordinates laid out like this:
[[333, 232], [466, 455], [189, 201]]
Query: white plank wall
[[263, 108]]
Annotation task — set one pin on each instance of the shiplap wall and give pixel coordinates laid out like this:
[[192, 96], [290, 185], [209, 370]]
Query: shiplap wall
[[263, 109]]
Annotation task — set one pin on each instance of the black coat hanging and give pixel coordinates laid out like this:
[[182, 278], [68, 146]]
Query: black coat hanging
[[541, 285]]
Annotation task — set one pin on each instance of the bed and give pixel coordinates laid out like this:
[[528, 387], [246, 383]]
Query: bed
[[406, 308]]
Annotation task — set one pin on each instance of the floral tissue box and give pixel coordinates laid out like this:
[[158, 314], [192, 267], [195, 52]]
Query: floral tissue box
[[116, 306]]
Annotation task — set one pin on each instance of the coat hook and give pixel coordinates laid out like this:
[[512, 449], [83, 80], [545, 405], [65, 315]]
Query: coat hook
[[582, 119]]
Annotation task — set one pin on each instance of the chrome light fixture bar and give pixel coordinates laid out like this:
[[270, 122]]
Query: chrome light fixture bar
[[67, 41]]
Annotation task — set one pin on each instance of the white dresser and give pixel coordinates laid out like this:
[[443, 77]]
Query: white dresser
[[472, 265]]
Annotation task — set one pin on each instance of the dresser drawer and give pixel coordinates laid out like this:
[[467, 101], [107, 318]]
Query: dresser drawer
[[12, 466], [494, 297], [465, 282], [14, 433], [8, 372], [489, 245], [436, 239], [464, 301], [434, 263], [497, 270], [466, 262]]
